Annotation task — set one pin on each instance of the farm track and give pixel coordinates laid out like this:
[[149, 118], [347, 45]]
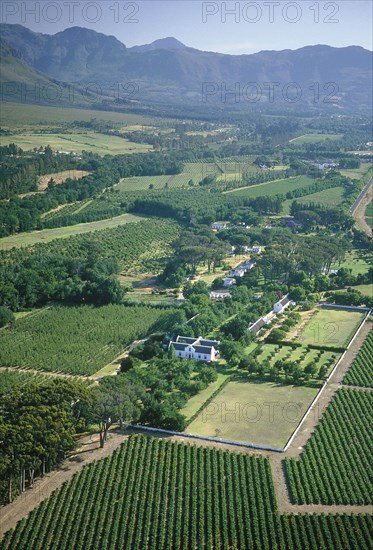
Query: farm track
[[360, 206], [89, 451]]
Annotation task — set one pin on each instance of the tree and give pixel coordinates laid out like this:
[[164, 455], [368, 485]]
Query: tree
[[6, 316]]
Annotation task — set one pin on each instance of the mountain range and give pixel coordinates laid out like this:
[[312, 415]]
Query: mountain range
[[168, 72]]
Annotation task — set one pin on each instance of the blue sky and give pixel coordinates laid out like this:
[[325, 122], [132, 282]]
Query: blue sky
[[229, 27]]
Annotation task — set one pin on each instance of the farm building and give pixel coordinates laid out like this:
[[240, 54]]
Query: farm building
[[228, 282], [195, 348], [219, 226], [219, 294], [282, 304]]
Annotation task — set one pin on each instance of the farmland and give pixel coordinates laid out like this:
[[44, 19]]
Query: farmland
[[277, 187], [9, 379], [46, 235], [19, 115], [302, 355], [148, 495], [315, 138], [328, 197], [75, 143], [138, 247], [361, 370], [242, 411], [336, 465], [76, 340], [330, 328]]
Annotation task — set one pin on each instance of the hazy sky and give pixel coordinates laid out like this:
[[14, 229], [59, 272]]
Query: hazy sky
[[229, 27]]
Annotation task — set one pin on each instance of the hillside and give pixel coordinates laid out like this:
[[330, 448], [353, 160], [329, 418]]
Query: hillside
[[169, 71]]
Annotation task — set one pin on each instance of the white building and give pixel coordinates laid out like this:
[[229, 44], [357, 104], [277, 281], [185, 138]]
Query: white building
[[282, 304], [195, 348], [228, 282], [219, 294], [219, 225], [237, 272]]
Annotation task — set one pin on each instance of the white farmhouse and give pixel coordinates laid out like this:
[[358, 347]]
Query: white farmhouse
[[238, 272], [219, 294], [282, 304], [195, 348], [219, 226], [228, 282]]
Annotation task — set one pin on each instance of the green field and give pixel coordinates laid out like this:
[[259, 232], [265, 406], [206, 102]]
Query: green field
[[277, 187], [328, 197], [151, 493], [19, 115], [315, 138], [259, 413], [196, 402], [357, 173], [46, 235], [330, 328], [101, 144], [336, 465], [76, 340], [359, 261], [360, 372]]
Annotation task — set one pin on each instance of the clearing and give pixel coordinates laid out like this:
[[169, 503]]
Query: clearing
[[259, 413], [330, 328]]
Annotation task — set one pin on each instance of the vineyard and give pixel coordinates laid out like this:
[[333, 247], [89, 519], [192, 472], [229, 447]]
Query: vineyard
[[9, 379], [153, 494], [77, 340], [361, 371], [336, 465], [138, 247]]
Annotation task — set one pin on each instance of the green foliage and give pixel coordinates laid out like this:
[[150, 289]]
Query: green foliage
[[361, 371], [78, 340], [336, 466], [6, 316], [231, 500]]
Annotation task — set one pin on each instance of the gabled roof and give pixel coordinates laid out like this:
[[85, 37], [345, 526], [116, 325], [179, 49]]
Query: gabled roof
[[210, 343], [179, 347], [203, 349], [185, 340], [260, 323]]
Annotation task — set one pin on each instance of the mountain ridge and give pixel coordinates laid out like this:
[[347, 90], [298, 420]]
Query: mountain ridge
[[167, 70]]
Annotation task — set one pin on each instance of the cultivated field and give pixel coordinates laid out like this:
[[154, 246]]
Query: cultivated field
[[101, 144], [260, 413], [76, 340], [336, 465], [277, 187], [330, 328], [20, 115], [315, 138], [302, 355], [361, 371], [153, 494], [328, 197], [46, 235]]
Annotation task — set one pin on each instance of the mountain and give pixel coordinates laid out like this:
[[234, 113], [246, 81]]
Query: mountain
[[168, 72], [169, 43]]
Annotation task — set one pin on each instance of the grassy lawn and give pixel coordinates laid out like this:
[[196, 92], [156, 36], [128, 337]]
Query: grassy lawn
[[331, 328], [260, 413], [356, 173], [89, 141], [328, 197], [367, 290], [276, 187], [314, 138], [46, 235], [196, 402], [359, 261]]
